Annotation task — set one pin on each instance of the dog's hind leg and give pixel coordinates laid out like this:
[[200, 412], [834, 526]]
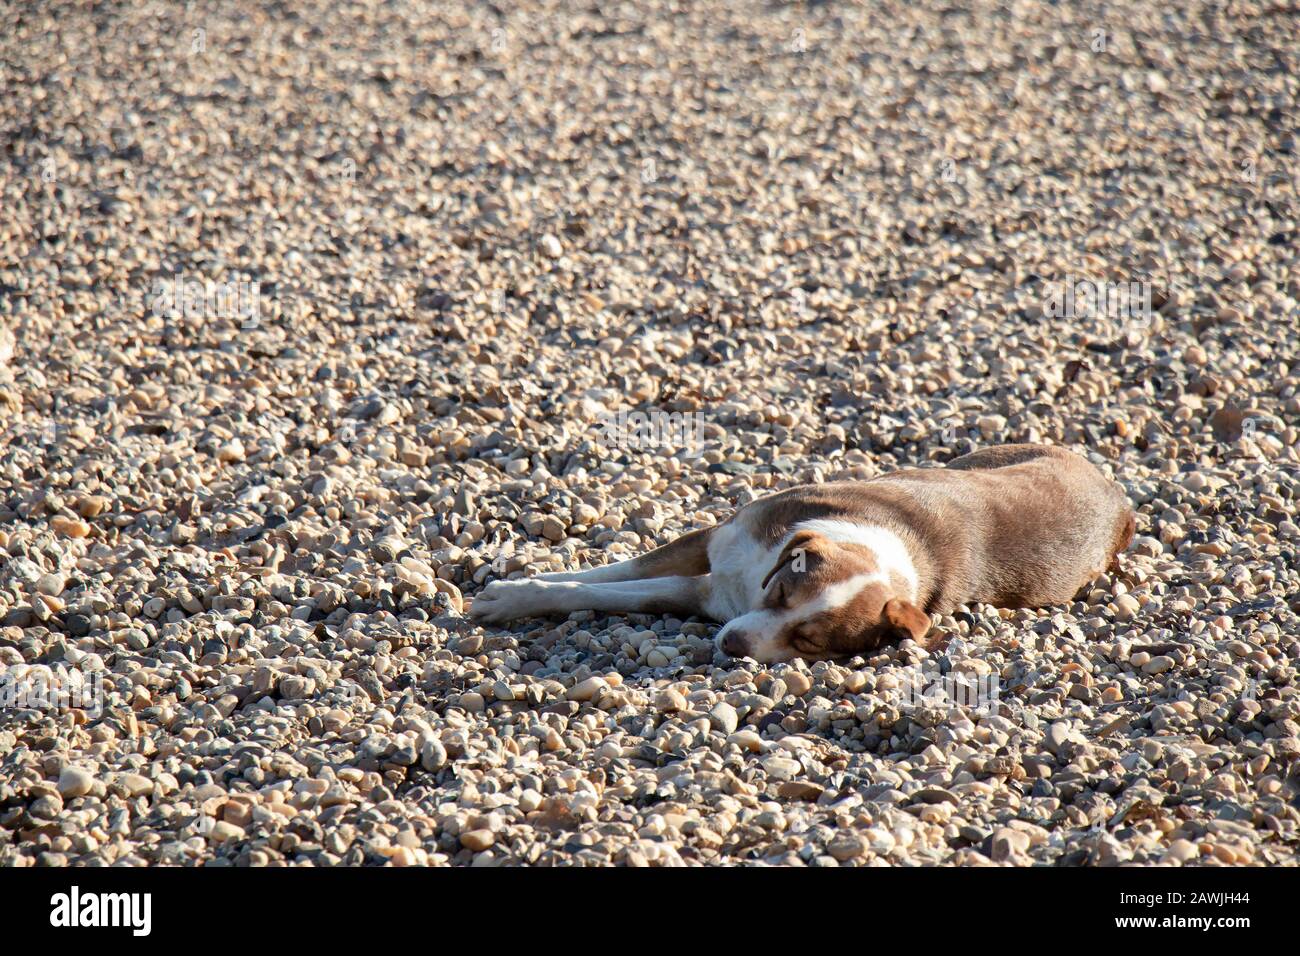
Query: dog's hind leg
[[687, 556], [1124, 534]]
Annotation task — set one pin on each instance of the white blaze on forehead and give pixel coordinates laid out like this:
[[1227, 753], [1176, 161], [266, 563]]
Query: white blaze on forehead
[[763, 628], [892, 556]]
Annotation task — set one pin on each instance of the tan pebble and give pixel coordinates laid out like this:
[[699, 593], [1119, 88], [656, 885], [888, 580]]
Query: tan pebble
[[1225, 854], [587, 689], [1158, 665], [746, 740], [224, 832], [477, 840], [75, 782], [238, 812], [403, 856], [846, 846], [1008, 843], [1126, 607], [69, 527], [90, 506], [1180, 851], [670, 700], [797, 683]]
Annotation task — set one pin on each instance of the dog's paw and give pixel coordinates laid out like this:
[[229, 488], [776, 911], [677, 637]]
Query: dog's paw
[[503, 601]]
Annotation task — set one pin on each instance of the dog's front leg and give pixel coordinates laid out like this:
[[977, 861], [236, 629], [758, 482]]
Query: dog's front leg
[[504, 601]]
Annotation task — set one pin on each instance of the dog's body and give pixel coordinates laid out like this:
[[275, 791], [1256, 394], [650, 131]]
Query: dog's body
[[838, 569]]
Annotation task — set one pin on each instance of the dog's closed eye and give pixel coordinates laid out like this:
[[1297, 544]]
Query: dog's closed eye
[[806, 642]]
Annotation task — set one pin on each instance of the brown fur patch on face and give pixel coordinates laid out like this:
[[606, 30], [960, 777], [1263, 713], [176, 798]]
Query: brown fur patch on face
[[871, 620], [843, 631], [806, 587], [808, 564]]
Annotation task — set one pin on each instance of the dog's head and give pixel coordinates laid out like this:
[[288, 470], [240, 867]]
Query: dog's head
[[824, 599]]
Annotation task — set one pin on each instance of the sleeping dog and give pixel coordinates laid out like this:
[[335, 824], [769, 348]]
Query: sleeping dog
[[840, 569]]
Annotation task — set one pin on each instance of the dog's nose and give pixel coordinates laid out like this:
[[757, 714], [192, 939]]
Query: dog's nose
[[733, 644]]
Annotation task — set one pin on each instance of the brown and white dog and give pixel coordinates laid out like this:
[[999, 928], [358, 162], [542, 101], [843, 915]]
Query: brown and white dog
[[839, 569]]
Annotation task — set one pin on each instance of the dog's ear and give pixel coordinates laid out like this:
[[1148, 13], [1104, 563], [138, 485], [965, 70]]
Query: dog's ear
[[796, 552], [906, 620]]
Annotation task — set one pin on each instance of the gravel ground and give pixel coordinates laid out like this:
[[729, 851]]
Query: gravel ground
[[832, 238]]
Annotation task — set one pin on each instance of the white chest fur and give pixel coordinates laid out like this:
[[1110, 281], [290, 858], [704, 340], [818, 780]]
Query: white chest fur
[[737, 565]]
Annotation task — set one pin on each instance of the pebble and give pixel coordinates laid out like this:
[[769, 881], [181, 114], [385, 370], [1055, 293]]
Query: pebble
[[75, 782], [69, 527], [1008, 843], [1126, 607], [224, 831], [1180, 851], [477, 840], [1158, 664], [670, 700], [797, 683], [51, 584], [551, 247], [586, 690], [846, 846], [723, 717]]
